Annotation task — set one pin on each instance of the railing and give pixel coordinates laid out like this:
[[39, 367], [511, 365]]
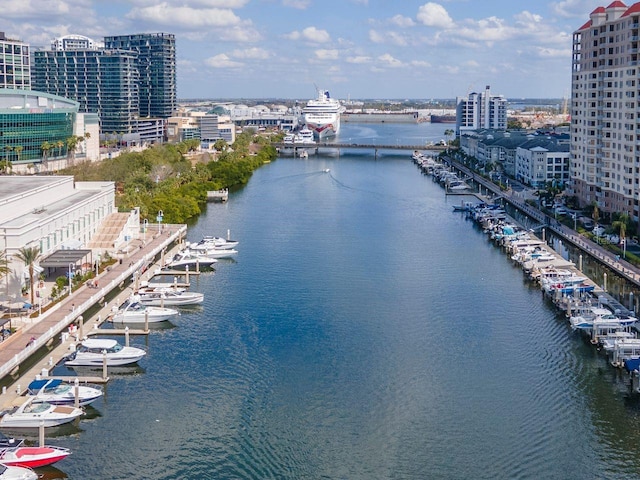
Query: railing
[[83, 307]]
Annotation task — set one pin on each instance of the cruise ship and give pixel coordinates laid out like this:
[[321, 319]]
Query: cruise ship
[[322, 115]]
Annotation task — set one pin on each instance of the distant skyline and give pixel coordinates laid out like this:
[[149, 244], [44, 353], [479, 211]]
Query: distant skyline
[[354, 48]]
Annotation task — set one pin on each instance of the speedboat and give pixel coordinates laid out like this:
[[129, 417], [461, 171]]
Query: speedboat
[[190, 258], [33, 457], [169, 296], [57, 392], [92, 351], [216, 253], [132, 311], [208, 242], [17, 473], [31, 414]]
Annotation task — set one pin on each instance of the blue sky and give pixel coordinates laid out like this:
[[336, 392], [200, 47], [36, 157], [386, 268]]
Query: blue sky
[[354, 48]]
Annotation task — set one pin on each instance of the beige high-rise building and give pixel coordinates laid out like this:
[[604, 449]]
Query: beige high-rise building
[[605, 110]]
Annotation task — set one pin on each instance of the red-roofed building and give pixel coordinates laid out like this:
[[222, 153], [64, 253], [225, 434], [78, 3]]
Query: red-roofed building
[[605, 110]]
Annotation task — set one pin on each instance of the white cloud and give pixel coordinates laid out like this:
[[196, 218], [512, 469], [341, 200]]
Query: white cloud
[[222, 61], [389, 61], [187, 17], [554, 52], [297, 4], [575, 8], [402, 21], [359, 59], [323, 54], [419, 63], [226, 4], [252, 53], [310, 34], [434, 15]]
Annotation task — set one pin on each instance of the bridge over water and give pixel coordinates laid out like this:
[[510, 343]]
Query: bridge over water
[[316, 146]]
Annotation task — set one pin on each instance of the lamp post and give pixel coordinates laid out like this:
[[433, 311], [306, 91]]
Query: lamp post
[[97, 265], [145, 225], [575, 221], [624, 248], [70, 277], [159, 220]]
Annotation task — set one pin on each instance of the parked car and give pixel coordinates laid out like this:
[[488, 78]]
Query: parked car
[[586, 222], [598, 230], [560, 210]]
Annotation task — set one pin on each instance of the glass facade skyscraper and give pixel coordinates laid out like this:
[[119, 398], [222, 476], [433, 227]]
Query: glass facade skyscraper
[[101, 81], [156, 64]]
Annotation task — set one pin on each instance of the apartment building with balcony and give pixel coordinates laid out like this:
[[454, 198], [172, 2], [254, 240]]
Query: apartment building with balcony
[[605, 110]]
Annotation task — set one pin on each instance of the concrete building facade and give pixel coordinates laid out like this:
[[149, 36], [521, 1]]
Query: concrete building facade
[[481, 111], [605, 110], [15, 66]]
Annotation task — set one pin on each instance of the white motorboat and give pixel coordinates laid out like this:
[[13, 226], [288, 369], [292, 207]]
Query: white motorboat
[[57, 392], [214, 252], [304, 136], [91, 352], [169, 296], [192, 259], [31, 414], [132, 311], [17, 473], [209, 242]]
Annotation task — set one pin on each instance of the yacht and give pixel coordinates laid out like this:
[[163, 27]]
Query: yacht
[[133, 311], [57, 392], [30, 413], [168, 296], [92, 351], [305, 136], [322, 115]]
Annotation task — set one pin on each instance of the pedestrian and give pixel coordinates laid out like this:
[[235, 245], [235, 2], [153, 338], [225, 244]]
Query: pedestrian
[[73, 307]]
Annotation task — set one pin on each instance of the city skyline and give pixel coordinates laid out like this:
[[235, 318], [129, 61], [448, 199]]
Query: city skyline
[[353, 48]]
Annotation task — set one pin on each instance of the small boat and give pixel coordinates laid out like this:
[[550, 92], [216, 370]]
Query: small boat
[[33, 457], [213, 252], [57, 392], [209, 242], [17, 473], [133, 311], [169, 296], [31, 414], [92, 351], [192, 259], [326, 170]]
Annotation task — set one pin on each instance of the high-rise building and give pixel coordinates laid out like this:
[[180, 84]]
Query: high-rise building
[[15, 67], [605, 110], [481, 110], [156, 64], [101, 81]]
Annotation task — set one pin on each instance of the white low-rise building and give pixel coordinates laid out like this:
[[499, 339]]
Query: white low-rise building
[[51, 213]]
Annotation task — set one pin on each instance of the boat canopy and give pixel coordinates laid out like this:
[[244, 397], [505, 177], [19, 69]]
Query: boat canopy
[[101, 343], [37, 385]]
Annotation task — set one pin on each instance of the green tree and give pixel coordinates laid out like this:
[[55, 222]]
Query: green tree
[[46, 148], [18, 149], [29, 256]]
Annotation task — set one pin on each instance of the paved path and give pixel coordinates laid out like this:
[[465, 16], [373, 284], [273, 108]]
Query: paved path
[[40, 330]]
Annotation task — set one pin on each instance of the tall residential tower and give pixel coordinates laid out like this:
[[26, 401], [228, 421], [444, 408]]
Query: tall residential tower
[[605, 110], [481, 110]]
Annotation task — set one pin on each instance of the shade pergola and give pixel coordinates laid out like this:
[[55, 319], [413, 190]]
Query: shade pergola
[[62, 258]]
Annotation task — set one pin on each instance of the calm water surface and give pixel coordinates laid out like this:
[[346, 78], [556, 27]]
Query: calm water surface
[[364, 331]]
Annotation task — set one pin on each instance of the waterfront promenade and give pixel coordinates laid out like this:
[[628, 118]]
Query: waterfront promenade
[[41, 331], [597, 251]]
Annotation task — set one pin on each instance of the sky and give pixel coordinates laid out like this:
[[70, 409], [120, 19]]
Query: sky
[[356, 49]]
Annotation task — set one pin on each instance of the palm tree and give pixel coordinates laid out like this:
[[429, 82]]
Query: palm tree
[[8, 148], [621, 226], [4, 265], [18, 149], [29, 256], [59, 145], [45, 147], [72, 144]]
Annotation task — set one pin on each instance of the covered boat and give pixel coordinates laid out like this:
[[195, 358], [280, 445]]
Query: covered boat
[[58, 392]]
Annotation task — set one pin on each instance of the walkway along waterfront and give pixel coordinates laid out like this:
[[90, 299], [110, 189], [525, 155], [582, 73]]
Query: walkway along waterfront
[[43, 331], [607, 258]]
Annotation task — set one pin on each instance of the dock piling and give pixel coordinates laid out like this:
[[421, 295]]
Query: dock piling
[[126, 334], [41, 433], [76, 393], [104, 364]]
